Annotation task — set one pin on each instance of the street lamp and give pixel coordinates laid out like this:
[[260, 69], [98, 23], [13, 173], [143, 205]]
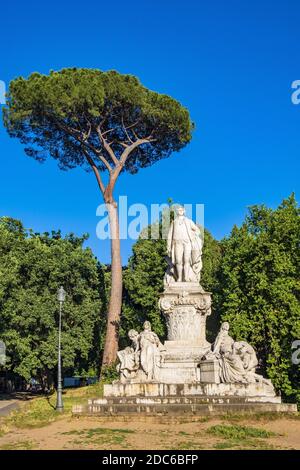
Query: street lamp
[[61, 297]]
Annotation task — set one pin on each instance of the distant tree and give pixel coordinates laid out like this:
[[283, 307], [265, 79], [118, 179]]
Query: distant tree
[[260, 289], [32, 266], [103, 121]]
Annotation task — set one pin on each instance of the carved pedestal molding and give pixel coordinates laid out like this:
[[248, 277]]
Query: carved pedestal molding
[[185, 307], [186, 310]]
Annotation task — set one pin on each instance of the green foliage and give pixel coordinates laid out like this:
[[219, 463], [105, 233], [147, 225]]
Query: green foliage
[[109, 373], [143, 281], [240, 437], [260, 281], [58, 115], [32, 267], [238, 432], [100, 437]]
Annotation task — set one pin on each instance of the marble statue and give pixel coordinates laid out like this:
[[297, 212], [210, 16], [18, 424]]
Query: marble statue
[[184, 245], [150, 347], [237, 359], [129, 357], [142, 359], [231, 364]]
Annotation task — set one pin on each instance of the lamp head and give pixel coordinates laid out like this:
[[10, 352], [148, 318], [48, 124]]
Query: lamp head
[[61, 294]]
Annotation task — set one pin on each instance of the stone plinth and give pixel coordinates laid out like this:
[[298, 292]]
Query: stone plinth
[[253, 392], [209, 371], [183, 400], [185, 307], [176, 409]]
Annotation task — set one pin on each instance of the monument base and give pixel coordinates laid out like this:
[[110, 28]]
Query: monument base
[[183, 400], [258, 391]]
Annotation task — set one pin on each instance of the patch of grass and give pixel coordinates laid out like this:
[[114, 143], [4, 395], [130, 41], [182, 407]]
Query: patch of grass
[[40, 411], [238, 432], [36, 413], [187, 445], [93, 431], [100, 436], [243, 444], [19, 445], [260, 417], [240, 437]]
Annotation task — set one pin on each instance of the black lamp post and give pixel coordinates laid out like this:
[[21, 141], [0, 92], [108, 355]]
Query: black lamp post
[[61, 297]]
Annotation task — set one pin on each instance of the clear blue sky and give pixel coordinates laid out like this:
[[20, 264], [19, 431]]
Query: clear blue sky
[[230, 62]]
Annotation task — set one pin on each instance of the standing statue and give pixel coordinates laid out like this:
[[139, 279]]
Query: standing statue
[[150, 347], [184, 247]]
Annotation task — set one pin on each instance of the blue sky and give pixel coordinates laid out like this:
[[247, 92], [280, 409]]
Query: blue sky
[[230, 63]]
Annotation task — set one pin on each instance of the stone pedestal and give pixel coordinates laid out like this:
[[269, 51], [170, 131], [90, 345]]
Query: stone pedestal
[[209, 371], [185, 307]]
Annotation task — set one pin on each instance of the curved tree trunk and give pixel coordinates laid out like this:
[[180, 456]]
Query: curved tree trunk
[[115, 303]]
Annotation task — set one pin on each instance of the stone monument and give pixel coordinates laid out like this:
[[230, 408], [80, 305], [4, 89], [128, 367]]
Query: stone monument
[[186, 373]]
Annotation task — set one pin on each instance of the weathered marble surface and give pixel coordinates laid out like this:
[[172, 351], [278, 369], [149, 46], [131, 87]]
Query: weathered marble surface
[[141, 361], [153, 389], [231, 361], [184, 246]]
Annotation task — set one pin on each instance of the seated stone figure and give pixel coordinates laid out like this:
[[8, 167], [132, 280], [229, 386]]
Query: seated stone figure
[[247, 354], [231, 364], [129, 358], [140, 361], [237, 359]]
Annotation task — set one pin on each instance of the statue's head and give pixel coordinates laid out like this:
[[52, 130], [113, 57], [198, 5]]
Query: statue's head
[[180, 210], [132, 334], [147, 326], [225, 326]]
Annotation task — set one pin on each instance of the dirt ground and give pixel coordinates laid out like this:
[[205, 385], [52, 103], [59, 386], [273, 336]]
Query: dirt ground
[[100, 433]]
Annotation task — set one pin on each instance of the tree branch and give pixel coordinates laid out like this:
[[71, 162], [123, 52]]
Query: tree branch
[[125, 129], [95, 170], [107, 146], [83, 140]]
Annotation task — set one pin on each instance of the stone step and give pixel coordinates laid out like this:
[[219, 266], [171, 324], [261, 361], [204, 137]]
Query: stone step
[[125, 409], [177, 400]]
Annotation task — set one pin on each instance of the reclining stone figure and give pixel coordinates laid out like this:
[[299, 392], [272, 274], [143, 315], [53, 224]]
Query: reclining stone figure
[[237, 359]]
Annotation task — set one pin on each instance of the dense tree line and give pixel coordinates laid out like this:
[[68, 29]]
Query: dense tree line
[[260, 289], [32, 267], [253, 274]]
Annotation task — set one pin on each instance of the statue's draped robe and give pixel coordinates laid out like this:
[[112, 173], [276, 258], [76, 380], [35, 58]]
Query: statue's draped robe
[[231, 365], [149, 344]]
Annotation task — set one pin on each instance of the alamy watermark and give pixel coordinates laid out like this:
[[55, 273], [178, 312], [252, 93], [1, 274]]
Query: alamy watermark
[[296, 352], [2, 92], [295, 97], [141, 221]]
